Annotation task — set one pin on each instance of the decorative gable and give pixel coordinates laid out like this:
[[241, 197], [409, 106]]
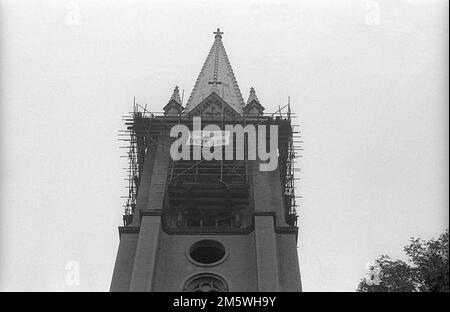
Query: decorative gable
[[174, 107], [253, 107], [212, 108]]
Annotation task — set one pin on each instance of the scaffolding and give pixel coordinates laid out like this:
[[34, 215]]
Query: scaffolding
[[141, 136]]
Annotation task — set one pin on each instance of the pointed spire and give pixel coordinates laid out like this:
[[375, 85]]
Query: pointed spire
[[176, 95], [216, 76], [253, 107], [252, 96], [174, 107]]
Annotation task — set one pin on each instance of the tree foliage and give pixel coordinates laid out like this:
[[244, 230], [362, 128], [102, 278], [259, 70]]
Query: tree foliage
[[427, 269]]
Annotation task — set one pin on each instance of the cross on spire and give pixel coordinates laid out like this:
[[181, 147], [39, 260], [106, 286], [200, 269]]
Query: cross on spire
[[218, 33]]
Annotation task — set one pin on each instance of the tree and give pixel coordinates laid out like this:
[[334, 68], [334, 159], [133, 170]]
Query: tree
[[427, 269]]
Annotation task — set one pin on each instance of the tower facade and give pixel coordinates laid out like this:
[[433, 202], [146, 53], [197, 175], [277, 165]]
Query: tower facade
[[194, 222]]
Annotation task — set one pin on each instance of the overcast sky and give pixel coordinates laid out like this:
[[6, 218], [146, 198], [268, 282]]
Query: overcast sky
[[368, 80]]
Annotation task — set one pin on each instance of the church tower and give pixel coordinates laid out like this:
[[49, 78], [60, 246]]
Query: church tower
[[201, 224]]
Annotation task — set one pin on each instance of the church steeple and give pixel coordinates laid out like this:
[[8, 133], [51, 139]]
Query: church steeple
[[198, 223], [216, 76]]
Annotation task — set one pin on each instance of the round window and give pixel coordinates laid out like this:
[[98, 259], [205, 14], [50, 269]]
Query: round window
[[207, 252], [206, 283]]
